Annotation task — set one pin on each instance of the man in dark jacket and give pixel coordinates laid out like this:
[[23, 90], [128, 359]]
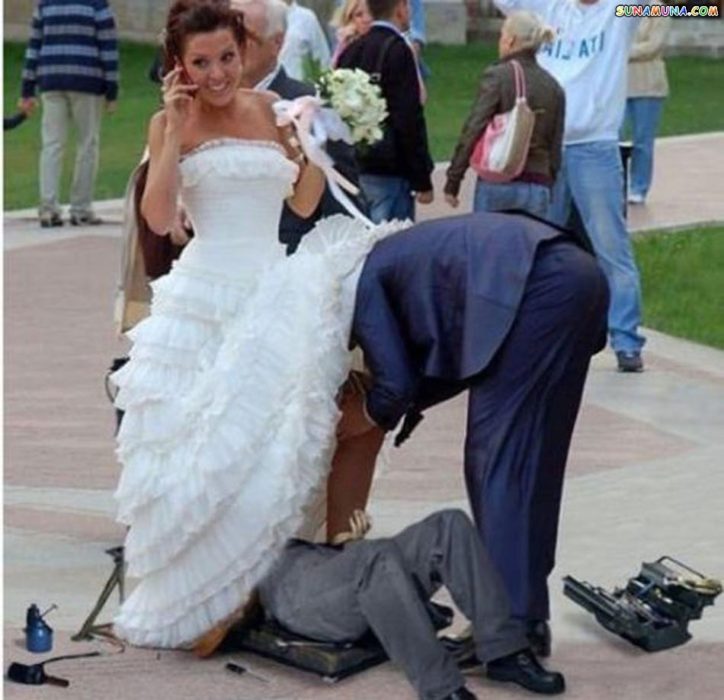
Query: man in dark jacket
[[266, 20], [530, 190], [399, 165], [505, 307]]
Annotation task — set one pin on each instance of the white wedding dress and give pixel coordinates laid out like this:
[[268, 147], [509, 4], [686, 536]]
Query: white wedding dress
[[229, 394]]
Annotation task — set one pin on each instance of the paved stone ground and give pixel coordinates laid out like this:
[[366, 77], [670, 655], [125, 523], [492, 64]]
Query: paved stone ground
[[644, 479]]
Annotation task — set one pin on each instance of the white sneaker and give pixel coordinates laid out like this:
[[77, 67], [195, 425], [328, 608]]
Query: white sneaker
[[634, 198]]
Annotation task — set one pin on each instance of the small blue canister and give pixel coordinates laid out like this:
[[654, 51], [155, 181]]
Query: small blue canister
[[38, 635]]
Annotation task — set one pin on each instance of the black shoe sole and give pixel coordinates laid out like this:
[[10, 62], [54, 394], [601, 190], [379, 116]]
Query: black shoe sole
[[51, 224], [503, 677]]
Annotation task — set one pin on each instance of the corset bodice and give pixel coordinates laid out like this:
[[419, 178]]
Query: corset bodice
[[233, 191]]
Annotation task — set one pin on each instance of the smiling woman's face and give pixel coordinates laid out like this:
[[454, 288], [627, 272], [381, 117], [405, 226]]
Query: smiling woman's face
[[212, 61]]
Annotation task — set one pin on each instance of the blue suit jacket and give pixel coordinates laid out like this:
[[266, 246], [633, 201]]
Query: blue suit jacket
[[435, 302]]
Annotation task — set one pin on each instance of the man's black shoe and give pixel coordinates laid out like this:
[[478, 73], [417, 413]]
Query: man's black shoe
[[462, 693], [462, 649], [523, 668], [539, 637]]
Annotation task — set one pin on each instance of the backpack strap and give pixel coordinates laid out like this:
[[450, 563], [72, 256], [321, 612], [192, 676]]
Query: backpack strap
[[377, 75]]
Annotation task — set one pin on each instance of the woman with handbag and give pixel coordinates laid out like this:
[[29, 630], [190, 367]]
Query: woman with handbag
[[533, 154]]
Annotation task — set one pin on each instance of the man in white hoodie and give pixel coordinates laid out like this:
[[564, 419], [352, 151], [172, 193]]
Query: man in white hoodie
[[589, 59]]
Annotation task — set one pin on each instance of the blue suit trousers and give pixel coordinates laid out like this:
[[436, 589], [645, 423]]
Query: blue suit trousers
[[521, 413]]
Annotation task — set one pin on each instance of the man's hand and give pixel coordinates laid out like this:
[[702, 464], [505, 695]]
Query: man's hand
[[27, 105], [452, 200], [359, 525], [354, 420], [111, 106], [425, 197]]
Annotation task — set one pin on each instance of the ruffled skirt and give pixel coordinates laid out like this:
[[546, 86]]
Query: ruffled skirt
[[229, 428]]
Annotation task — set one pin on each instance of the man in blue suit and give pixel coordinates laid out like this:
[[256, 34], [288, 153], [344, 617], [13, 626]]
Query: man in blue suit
[[510, 309]]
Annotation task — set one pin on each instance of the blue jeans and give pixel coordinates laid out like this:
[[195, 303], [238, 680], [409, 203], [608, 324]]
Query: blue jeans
[[643, 114], [499, 196], [592, 176], [388, 197]]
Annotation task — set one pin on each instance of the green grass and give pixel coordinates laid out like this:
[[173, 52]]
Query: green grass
[[694, 107], [452, 89], [681, 274]]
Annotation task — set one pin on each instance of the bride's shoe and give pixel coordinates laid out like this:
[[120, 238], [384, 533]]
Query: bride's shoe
[[210, 641]]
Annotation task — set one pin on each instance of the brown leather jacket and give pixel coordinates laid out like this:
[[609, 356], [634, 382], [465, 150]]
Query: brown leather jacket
[[497, 95]]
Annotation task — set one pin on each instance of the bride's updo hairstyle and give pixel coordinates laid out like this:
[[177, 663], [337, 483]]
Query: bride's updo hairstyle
[[528, 29], [189, 17]]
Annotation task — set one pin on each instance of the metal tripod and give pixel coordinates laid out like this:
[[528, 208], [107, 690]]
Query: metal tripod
[[89, 629]]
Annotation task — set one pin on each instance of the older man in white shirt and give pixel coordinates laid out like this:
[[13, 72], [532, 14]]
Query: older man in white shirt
[[305, 39]]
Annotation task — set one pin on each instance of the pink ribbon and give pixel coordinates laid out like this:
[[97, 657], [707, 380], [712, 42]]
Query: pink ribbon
[[314, 126]]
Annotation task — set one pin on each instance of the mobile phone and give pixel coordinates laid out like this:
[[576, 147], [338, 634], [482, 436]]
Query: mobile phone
[[184, 76], [185, 79]]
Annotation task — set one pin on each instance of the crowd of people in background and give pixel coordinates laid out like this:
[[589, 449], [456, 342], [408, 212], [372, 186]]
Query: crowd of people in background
[[583, 90]]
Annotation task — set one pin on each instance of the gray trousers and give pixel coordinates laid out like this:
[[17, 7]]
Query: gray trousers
[[60, 109], [337, 595]]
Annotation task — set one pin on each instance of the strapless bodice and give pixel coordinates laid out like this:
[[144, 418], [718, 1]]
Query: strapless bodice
[[233, 191]]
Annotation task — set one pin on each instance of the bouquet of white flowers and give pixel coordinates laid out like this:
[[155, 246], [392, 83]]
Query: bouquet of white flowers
[[357, 100], [349, 107]]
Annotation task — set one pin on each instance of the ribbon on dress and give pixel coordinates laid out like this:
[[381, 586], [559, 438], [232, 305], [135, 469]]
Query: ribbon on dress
[[315, 125]]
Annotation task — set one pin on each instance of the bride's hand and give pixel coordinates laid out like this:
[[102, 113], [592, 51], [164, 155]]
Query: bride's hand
[[177, 97]]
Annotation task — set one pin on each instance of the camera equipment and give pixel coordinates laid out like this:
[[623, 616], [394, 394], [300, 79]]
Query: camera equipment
[[654, 609]]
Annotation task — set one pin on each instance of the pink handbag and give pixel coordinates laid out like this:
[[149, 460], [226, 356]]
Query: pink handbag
[[502, 149]]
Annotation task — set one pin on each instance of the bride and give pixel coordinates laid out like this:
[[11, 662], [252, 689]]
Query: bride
[[229, 395]]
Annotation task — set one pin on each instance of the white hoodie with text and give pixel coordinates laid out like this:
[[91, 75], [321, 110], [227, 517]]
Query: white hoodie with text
[[588, 58]]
